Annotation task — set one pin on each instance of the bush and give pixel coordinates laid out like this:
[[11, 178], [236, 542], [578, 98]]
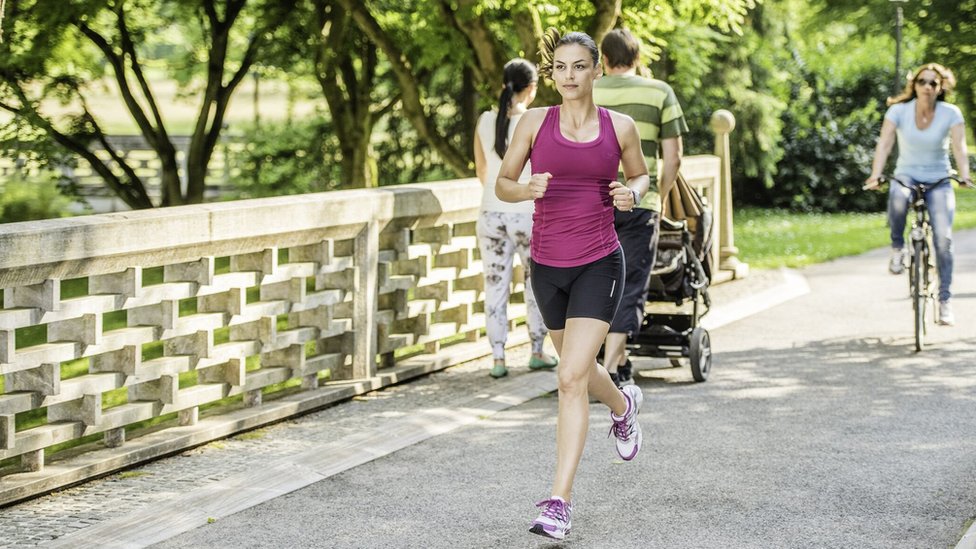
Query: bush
[[830, 132], [33, 197], [282, 158]]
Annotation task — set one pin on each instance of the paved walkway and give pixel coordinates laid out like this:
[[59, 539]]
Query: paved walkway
[[819, 427]]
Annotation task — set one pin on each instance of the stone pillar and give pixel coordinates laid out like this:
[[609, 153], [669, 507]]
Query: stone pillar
[[365, 301], [722, 124], [32, 461], [113, 438], [252, 398], [189, 416]]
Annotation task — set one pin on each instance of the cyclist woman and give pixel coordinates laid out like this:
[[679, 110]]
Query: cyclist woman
[[577, 263], [924, 125]]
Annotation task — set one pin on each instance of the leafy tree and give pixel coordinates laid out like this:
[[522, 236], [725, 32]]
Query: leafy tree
[[282, 158], [29, 198], [397, 32], [832, 124], [830, 131], [713, 69], [56, 50], [459, 47], [346, 65], [415, 72], [950, 29], [939, 31], [806, 123]]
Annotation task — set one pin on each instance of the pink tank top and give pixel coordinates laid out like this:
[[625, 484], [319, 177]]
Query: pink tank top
[[573, 222]]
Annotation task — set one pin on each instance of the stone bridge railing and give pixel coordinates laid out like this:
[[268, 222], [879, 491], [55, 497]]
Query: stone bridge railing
[[140, 334]]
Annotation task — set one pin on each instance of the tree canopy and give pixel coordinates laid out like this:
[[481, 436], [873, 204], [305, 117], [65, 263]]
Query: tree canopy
[[400, 83]]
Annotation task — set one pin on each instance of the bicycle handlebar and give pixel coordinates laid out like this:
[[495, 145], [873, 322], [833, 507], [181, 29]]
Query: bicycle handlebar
[[923, 185]]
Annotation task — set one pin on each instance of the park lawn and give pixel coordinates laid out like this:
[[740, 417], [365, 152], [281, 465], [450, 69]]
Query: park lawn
[[769, 239], [180, 107]]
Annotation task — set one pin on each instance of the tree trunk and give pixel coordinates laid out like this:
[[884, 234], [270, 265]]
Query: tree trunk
[[412, 98], [356, 168], [346, 83], [469, 108], [489, 56], [607, 13], [968, 100]]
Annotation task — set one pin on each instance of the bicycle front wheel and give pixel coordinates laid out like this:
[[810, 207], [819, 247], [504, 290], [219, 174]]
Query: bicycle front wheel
[[918, 274]]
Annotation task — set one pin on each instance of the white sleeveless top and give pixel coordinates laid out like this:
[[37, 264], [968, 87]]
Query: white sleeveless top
[[490, 202]]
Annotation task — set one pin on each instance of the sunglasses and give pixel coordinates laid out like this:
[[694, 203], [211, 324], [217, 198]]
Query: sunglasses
[[927, 82]]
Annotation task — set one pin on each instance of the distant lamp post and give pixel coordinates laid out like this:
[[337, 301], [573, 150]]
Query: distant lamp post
[[2, 9], [257, 110], [899, 20]]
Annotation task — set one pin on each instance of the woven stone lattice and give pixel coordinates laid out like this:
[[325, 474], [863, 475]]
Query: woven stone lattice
[[158, 328]]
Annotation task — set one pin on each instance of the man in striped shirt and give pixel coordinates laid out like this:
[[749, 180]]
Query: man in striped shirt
[[660, 121]]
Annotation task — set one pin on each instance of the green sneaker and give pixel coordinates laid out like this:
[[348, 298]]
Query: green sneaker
[[498, 370], [536, 363]]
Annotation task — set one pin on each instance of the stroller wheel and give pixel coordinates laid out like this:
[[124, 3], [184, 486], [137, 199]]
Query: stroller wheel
[[700, 351], [675, 363]]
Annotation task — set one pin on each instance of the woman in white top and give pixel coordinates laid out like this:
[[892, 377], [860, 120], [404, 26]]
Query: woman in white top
[[504, 228], [924, 125]]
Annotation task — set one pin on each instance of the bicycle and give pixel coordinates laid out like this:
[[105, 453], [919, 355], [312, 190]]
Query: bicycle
[[921, 268]]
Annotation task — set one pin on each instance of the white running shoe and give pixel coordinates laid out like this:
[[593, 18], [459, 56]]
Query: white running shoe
[[554, 520], [897, 263], [945, 314], [626, 428]]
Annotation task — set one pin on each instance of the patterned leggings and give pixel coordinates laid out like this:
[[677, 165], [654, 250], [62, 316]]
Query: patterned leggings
[[500, 236]]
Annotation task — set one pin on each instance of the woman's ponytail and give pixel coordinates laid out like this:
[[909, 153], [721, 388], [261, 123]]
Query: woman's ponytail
[[518, 74]]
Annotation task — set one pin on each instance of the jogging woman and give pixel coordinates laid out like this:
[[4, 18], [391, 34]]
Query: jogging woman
[[577, 264]]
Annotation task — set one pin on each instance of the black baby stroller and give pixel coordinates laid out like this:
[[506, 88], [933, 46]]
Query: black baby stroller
[[677, 289]]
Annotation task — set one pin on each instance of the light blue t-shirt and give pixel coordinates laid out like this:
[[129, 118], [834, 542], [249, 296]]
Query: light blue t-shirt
[[923, 155]]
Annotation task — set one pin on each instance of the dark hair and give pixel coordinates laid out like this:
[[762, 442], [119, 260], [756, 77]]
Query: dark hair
[[621, 48], [552, 40], [518, 74], [948, 81]]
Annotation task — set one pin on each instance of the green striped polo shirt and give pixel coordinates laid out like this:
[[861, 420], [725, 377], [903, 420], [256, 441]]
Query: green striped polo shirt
[[653, 105]]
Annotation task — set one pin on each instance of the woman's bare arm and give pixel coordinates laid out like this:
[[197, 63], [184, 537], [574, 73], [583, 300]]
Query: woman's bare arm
[[507, 187], [959, 152], [631, 161], [885, 142], [480, 162]]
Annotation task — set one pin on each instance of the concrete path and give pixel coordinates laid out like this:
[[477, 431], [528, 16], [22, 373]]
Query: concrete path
[[820, 427]]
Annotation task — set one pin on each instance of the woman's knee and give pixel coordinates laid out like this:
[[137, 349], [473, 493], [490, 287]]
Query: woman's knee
[[942, 242], [571, 379]]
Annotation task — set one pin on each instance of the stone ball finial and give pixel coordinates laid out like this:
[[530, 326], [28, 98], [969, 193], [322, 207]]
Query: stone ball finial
[[723, 121]]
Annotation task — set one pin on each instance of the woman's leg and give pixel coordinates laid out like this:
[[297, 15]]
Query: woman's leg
[[941, 203], [496, 257], [898, 199], [520, 231], [578, 345]]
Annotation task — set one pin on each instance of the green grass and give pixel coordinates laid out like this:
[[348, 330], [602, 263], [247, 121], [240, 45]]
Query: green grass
[[180, 111], [769, 239]]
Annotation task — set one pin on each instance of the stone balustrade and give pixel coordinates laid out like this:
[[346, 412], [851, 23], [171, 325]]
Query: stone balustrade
[[113, 321]]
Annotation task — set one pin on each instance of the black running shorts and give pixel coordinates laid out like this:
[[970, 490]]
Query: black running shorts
[[587, 291], [638, 234]]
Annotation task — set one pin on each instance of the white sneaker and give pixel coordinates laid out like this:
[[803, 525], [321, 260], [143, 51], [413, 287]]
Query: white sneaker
[[555, 519], [945, 314], [897, 263], [626, 428]]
